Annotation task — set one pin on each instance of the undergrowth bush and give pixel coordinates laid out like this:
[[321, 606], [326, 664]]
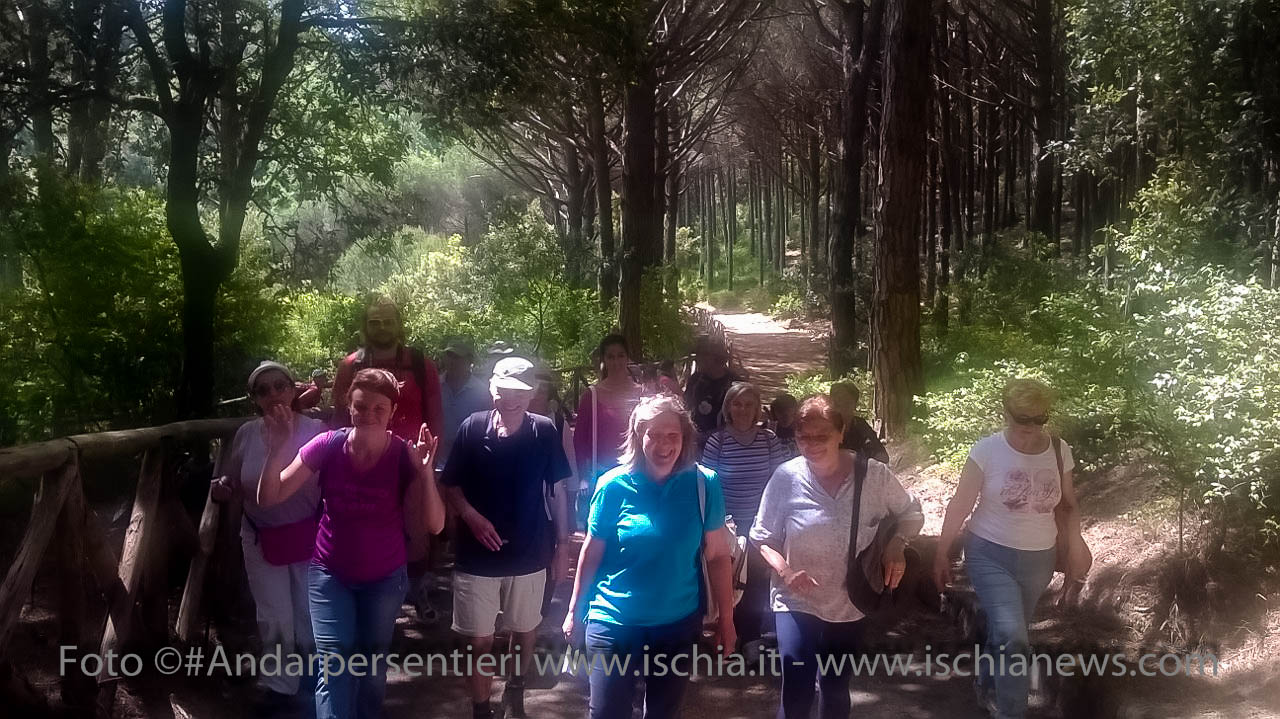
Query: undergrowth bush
[[1175, 363]]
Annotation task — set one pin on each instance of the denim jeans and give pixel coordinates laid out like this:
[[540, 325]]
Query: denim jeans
[[612, 693], [801, 638], [349, 619], [1008, 583]]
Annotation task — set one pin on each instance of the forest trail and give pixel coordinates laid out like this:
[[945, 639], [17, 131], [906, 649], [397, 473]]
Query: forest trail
[[770, 349]]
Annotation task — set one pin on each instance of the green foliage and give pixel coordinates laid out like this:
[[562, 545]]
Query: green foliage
[[812, 383], [318, 330], [1174, 364], [668, 332], [807, 384], [788, 306], [783, 297], [92, 336], [510, 286]]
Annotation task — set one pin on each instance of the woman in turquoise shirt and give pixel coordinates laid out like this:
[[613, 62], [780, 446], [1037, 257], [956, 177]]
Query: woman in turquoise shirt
[[639, 581]]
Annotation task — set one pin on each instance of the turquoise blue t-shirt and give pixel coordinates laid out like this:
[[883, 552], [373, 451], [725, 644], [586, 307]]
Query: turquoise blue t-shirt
[[650, 573]]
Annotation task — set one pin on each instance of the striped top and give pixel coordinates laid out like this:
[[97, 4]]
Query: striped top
[[744, 470]]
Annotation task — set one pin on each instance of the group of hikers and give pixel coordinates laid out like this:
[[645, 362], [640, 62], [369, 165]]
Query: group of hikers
[[339, 519]]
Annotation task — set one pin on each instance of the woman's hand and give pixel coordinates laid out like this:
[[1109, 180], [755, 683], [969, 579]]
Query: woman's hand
[[225, 489], [1079, 561], [725, 636], [424, 450], [798, 583], [894, 561], [278, 421], [941, 570], [570, 625]]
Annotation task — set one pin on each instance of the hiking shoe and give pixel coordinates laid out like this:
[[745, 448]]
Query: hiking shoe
[[751, 652], [271, 704], [422, 605], [985, 693], [513, 702]]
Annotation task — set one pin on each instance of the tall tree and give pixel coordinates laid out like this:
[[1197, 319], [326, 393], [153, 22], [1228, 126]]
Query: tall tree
[[860, 39], [899, 193], [208, 81], [1046, 59]]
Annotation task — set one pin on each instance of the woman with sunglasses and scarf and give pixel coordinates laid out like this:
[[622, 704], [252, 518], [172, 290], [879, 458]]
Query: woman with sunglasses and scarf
[[277, 541], [1009, 551]]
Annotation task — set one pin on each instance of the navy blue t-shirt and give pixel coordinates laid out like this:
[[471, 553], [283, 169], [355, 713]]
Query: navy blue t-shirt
[[507, 480]]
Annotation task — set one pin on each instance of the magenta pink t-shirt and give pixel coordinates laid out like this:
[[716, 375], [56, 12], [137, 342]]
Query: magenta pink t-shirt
[[361, 536]]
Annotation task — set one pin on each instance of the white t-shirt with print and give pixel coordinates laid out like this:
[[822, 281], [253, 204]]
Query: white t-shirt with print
[[1019, 493]]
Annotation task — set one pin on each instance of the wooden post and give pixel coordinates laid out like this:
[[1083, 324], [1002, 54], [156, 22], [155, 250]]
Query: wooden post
[[189, 609], [50, 496], [142, 526], [77, 689]]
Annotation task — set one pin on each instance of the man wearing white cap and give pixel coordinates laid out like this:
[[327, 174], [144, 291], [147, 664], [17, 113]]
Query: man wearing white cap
[[504, 479]]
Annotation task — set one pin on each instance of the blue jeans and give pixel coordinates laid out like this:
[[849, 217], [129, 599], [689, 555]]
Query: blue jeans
[[350, 619], [1008, 583], [801, 638], [612, 693]]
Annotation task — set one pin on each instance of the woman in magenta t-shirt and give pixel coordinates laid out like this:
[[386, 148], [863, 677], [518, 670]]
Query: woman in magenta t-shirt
[[603, 412], [373, 488]]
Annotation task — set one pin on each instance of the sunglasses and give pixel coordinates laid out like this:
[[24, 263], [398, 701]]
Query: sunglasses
[[262, 390], [1038, 420]]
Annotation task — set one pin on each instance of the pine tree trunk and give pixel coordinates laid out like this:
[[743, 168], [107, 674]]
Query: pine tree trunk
[[641, 216], [1045, 56], [674, 178], [860, 50], [604, 191], [896, 308]]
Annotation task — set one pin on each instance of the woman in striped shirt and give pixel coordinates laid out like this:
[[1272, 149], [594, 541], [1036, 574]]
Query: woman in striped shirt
[[743, 455]]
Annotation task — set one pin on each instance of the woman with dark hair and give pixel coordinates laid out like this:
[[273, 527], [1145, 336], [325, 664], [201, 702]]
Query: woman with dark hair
[[639, 584], [546, 402], [603, 412], [783, 410], [803, 531], [278, 541], [374, 487]]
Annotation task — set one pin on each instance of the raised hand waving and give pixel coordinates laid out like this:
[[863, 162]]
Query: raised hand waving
[[423, 451]]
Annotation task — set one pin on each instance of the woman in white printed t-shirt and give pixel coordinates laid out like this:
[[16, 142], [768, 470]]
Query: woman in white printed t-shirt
[[1009, 550]]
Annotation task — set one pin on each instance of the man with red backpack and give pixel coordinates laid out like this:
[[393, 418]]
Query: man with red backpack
[[384, 348], [420, 402]]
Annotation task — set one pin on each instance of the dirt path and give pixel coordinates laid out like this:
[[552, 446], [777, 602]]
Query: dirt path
[[770, 350]]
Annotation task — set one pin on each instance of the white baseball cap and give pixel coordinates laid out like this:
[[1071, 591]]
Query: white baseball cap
[[513, 373]]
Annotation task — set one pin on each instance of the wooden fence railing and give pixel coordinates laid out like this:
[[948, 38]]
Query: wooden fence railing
[[134, 585], [714, 330]]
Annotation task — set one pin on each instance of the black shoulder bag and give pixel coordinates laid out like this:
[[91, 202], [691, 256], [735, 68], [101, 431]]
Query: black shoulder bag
[[865, 577]]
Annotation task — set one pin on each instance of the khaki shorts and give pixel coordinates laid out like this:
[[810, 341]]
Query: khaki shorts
[[478, 600]]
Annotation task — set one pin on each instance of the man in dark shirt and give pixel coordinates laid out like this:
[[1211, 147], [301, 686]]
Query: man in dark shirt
[[858, 434], [504, 479], [705, 390]]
